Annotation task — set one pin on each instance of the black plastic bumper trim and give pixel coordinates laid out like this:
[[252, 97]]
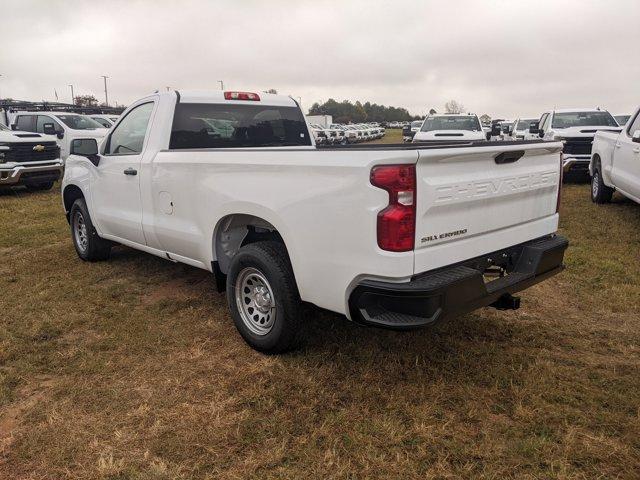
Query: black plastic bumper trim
[[456, 289]]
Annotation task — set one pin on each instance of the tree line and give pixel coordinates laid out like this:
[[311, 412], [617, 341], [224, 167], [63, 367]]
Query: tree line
[[347, 112]]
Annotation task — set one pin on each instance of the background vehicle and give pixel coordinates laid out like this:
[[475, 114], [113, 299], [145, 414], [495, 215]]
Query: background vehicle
[[319, 134], [409, 131], [64, 126], [615, 163], [28, 159], [450, 127], [353, 229], [521, 129], [107, 121], [575, 127], [622, 119]]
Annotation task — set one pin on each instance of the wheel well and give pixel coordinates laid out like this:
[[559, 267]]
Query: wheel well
[[71, 194], [235, 231]]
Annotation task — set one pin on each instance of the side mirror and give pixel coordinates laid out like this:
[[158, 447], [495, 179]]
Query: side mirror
[[49, 129], [86, 147], [636, 136], [534, 127], [495, 130], [60, 135], [14, 127]]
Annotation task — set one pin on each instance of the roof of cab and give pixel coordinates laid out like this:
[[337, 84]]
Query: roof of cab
[[217, 96], [573, 110]]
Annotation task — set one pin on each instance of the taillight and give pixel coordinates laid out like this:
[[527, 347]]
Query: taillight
[[560, 184], [242, 96], [397, 222]]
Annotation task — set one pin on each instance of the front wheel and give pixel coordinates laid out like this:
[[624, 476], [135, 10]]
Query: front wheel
[[89, 246], [263, 297], [600, 193]]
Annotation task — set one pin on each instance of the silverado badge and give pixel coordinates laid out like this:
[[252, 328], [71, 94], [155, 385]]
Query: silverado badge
[[38, 148]]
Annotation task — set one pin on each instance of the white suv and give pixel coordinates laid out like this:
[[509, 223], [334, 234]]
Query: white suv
[[450, 127]]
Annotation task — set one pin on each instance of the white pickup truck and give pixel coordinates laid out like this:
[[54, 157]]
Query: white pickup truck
[[452, 127], [28, 159], [65, 126], [615, 162], [575, 128], [396, 236]]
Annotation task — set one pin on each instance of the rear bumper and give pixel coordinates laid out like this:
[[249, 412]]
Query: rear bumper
[[33, 172], [457, 289]]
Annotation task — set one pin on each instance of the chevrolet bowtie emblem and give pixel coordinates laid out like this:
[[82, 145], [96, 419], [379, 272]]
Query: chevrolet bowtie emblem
[[38, 148]]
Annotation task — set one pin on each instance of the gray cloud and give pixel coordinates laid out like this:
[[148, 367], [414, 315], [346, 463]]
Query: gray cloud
[[506, 58]]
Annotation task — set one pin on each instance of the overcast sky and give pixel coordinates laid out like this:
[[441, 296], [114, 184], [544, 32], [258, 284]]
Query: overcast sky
[[505, 58]]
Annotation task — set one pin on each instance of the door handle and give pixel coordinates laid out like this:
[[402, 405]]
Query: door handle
[[130, 171]]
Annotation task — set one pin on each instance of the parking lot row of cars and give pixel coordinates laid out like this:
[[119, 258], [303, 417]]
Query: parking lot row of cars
[[342, 134]]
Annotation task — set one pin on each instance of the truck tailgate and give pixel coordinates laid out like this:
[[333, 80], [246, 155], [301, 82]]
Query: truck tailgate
[[482, 199]]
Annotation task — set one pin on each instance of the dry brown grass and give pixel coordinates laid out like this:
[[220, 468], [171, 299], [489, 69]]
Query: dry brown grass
[[132, 369]]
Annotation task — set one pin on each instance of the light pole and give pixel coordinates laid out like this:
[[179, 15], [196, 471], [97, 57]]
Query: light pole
[[106, 95], [73, 98], [221, 84]]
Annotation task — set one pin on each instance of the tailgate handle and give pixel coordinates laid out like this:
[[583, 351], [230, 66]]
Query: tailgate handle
[[509, 157]]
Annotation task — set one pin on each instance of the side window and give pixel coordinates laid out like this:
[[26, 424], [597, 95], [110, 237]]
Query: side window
[[42, 119], [635, 125], [128, 137], [26, 123]]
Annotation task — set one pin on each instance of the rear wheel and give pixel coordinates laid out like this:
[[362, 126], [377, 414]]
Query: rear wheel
[[89, 246], [600, 193], [263, 297]]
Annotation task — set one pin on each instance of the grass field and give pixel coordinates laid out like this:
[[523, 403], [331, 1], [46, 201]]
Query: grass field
[[132, 369]]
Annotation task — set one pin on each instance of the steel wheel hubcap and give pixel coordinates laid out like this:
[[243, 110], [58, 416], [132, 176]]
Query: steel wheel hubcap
[[80, 231], [255, 301]]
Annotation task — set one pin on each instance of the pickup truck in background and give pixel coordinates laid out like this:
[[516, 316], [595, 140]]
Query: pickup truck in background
[[521, 129], [575, 128], [396, 236], [409, 131], [28, 159], [64, 126], [615, 163], [450, 127]]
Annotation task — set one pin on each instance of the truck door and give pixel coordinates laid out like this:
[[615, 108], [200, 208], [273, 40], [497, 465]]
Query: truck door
[[626, 160], [115, 189]]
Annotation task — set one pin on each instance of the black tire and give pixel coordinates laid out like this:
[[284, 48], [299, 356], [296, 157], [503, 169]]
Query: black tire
[[38, 187], [90, 247], [267, 265], [600, 193]]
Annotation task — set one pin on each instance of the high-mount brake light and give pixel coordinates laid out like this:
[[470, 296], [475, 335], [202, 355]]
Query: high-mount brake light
[[397, 222], [242, 96]]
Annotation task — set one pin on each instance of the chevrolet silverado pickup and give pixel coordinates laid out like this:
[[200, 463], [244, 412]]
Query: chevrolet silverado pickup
[[453, 127], [575, 128], [396, 236], [615, 162], [28, 159], [63, 126]]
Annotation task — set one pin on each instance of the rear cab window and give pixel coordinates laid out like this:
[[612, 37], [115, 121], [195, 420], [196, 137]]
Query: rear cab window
[[212, 125]]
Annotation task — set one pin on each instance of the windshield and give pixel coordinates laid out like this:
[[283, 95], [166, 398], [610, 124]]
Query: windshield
[[583, 119], [457, 122], [622, 119], [79, 122], [525, 124]]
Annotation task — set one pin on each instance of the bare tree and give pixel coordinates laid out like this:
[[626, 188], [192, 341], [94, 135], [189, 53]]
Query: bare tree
[[453, 106], [432, 111], [484, 118]]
